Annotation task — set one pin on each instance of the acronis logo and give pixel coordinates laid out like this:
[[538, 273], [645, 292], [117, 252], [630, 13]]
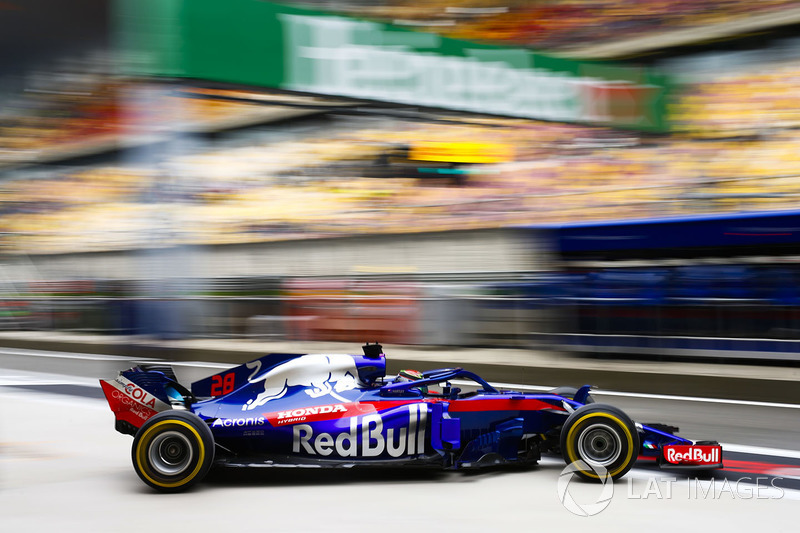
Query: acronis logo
[[238, 422]]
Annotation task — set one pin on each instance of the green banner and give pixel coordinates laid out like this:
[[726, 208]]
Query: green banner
[[264, 44]]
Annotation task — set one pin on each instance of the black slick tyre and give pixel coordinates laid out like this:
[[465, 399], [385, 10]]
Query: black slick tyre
[[172, 451], [600, 440]]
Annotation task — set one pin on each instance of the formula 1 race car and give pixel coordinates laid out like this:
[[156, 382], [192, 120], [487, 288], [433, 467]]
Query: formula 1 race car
[[333, 410]]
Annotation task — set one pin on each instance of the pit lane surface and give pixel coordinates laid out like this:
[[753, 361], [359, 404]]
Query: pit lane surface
[[62, 466]]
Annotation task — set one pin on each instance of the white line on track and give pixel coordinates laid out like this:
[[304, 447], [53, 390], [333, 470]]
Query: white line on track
[[199, 364], [11, 381], [697, 399], [596, 392], [513, 386], [68, 355], [35, 378]]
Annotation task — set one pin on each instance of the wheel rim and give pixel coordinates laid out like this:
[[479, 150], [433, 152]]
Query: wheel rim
[[600, 445], [170, 453]]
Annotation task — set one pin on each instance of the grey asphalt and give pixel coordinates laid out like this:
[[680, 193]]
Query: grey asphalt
[[58, 445], [60, 451]]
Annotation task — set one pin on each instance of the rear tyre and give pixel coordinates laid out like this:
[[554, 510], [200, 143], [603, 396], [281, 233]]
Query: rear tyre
[[172, 451], [601, 440]]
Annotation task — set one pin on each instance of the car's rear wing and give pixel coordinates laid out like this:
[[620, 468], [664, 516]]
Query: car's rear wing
[[228, 381], [140, 392]]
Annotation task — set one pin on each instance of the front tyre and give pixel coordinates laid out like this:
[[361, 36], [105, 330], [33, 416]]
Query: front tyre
[[172, 451], [600, 436]]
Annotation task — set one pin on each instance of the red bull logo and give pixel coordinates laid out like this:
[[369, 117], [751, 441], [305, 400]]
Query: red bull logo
[[693, 455], [319, 375], [366, 438]]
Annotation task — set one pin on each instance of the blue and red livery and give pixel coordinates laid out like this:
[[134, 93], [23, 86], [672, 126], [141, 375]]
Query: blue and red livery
[[333, 410]]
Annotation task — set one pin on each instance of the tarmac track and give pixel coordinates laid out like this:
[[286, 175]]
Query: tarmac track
[[63, 467]]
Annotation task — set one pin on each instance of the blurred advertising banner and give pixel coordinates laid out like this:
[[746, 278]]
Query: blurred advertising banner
[[461, 152], [259, 43]]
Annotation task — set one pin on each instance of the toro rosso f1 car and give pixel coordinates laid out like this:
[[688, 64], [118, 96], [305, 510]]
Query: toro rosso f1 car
[[333, 410]]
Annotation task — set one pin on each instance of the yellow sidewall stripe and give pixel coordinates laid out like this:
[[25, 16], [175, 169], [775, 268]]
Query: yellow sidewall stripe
[[571, 443], [141, 453]]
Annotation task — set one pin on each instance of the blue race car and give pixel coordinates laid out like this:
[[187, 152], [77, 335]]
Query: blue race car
[[334, 410]]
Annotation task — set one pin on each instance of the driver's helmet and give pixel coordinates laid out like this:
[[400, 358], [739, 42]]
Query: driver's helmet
[[410, 375]]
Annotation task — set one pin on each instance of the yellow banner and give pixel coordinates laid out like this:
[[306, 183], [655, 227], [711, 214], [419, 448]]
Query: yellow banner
[[461, 152]]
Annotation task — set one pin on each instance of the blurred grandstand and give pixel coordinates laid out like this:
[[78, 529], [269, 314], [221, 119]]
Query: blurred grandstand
[[94, 162], [571, 25], [343, 174]]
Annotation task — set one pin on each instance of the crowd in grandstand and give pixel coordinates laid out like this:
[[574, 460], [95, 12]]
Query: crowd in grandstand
[[752, 102], [557, 24], [734, 147], [68, 110], [324, 185]]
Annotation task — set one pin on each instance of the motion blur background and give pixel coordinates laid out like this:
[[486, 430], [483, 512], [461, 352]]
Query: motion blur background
[[587, 175]]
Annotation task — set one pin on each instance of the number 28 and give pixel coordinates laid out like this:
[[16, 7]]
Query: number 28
[[222, 384]]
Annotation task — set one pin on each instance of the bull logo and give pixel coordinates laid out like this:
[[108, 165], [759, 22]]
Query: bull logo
[[320, 374]]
